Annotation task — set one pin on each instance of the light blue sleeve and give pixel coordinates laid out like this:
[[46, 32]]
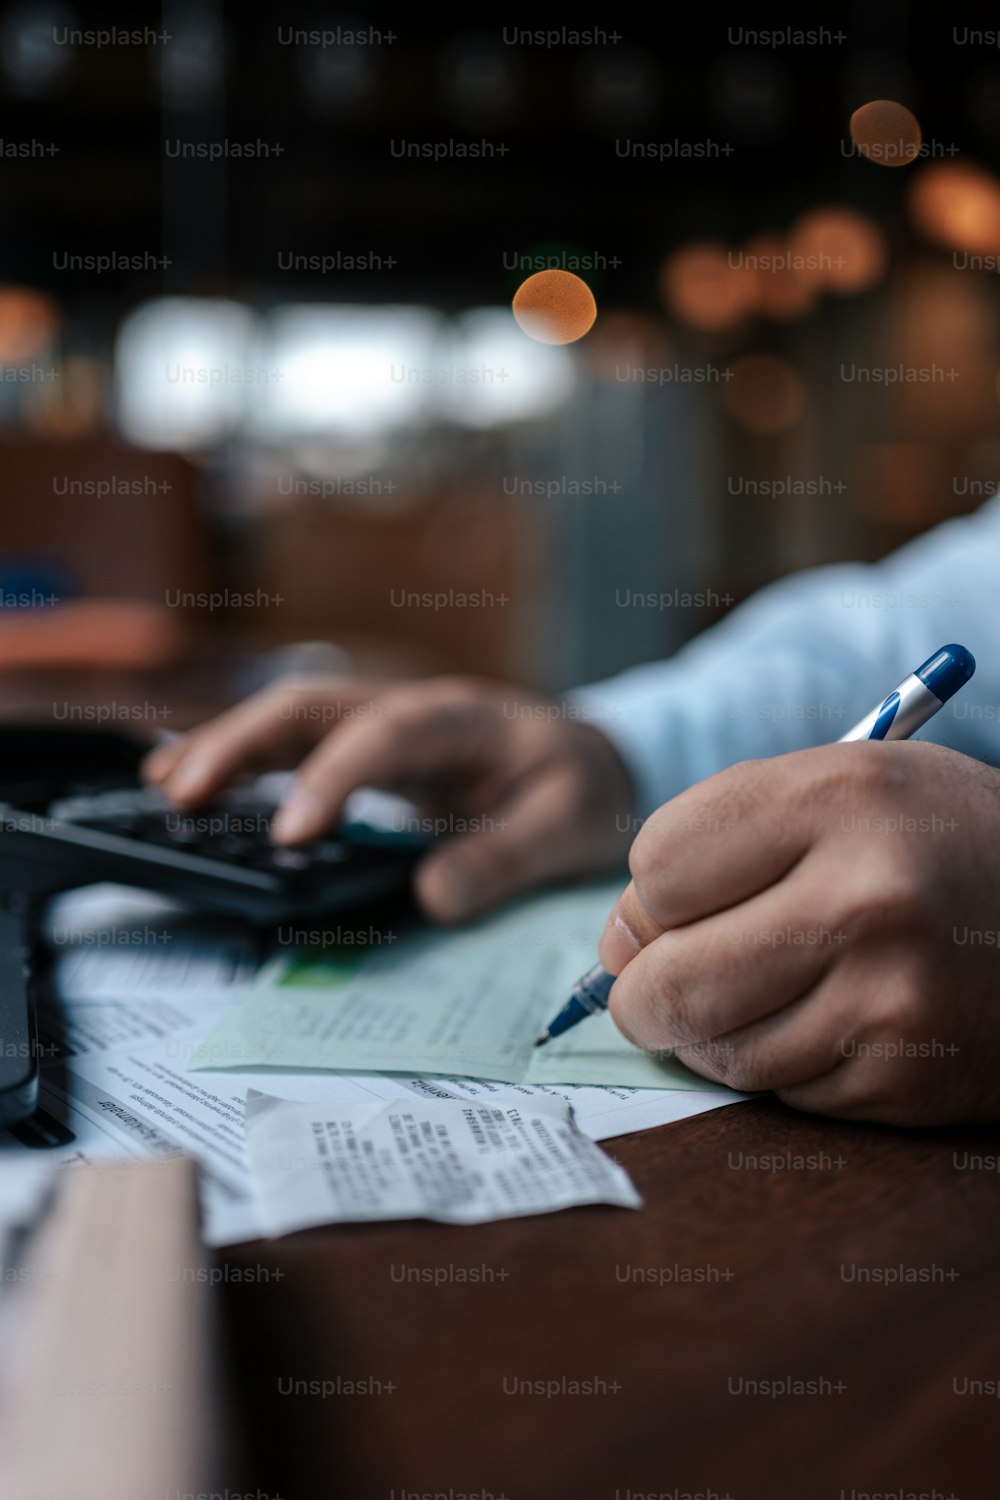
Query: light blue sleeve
[[800, 662]]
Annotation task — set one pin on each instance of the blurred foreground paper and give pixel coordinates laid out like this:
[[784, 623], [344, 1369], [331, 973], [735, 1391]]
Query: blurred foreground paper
[[110, 1387], [467, 1003], [456, 1161]]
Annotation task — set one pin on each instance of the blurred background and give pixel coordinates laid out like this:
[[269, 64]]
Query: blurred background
[[263, 401]]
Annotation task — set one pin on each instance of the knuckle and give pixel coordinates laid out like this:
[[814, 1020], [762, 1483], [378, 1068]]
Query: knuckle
[[884, 889], [740, 789], [406, 706], [741, 1068], [284, 694], [721, 1061], [486, 866], [433, 695], [869, 768], [456, 685], [645, 858], [904, 1006], [494, 863], [293, 685], [657, 868], [864, 1088], [849, 778], [863, 774]]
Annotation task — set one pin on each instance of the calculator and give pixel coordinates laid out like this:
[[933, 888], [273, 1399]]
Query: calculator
[[73, 812]]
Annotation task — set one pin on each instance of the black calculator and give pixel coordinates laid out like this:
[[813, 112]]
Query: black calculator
[[72, 812]]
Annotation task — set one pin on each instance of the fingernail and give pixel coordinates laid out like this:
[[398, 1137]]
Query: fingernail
[[626, 934], [618, 945], [296, 818]]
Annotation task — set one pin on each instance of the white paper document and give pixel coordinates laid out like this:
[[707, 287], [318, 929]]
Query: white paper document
[[111, 942], [601, 1111], [467, 1003], [141, 1101], [456, 1161], [118, 1043]]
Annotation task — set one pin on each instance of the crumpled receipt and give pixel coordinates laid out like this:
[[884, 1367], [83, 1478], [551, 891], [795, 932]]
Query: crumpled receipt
[[460, 1161]]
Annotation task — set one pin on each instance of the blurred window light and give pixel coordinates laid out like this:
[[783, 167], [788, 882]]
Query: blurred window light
[[957, 205], [348, 371], [498, 377], [624, 336], [336, 80], [191, 65], [877, 72], [183, 370], [751, 96], [619, 90], [33, 45], [478, 77]]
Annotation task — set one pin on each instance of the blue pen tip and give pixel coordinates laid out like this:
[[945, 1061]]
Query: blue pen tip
[[946, 671]]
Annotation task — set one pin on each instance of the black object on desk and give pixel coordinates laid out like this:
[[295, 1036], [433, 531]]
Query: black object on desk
[[72, 812]]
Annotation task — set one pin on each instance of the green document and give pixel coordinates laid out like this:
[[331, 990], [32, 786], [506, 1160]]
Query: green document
[[465, 1004]]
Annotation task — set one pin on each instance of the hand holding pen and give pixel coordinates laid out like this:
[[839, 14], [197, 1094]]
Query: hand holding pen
[[765, 819]]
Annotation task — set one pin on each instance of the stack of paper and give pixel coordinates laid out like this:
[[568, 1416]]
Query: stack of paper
[[149, 1067]]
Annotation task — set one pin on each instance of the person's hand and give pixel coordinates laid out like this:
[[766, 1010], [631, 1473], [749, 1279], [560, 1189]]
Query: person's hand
[[525, 791], [824, 924]]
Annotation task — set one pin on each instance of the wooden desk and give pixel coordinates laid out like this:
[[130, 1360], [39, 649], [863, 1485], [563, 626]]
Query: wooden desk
[[761, 1281]]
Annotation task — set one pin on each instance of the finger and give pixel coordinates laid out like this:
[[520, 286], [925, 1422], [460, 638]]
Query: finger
[[731, 836], [702, 981], [628, 929], [793, 1047], [268, 729], [160, 762], [530, 842], [833, 1050], [881, 1062], [416, 737]]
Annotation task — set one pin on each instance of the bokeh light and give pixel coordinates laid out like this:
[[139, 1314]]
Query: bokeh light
[[886, 132], [555, 307], [705, 287], [72, 406], [958, 205], [766, 394], [783, 292], [29, 321], [842, 249]]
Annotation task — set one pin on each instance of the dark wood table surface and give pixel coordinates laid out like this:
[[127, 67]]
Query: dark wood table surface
[[802, 1309]]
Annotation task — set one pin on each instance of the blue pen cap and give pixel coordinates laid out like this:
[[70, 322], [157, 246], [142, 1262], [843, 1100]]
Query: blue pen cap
[[946, 671]]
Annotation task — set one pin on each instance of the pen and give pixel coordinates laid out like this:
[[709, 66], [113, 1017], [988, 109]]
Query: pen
[[917, 699]]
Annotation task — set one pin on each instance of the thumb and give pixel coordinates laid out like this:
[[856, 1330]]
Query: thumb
[[629, 928]]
